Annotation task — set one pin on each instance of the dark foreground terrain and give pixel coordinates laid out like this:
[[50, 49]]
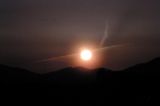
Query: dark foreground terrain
[[79, 86]]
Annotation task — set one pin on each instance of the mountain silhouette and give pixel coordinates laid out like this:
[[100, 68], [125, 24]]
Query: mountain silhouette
[[9, 75], [71, 75], [78, 74], [77, 85]]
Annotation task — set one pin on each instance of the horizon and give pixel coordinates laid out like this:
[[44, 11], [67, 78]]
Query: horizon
[[81, 67]]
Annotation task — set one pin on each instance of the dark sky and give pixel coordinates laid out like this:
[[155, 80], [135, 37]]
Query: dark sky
[[32, 30]]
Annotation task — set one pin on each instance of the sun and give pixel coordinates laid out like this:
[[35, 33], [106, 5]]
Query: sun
[[86, 55]]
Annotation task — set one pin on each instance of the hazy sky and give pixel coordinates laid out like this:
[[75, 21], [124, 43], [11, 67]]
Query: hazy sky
[[32, 30]]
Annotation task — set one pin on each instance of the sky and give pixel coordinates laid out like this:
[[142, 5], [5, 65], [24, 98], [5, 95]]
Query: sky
[[34, 30]]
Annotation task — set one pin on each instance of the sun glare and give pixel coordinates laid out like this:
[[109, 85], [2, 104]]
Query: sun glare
[[86, 55]]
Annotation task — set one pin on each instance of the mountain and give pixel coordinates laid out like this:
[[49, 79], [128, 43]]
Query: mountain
[[148, 71], [71, 75], [81, 75], [150, 68], [11, 75], [77, 85]]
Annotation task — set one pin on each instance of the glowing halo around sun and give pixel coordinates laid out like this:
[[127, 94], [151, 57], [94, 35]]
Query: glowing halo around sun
[[86, 55]]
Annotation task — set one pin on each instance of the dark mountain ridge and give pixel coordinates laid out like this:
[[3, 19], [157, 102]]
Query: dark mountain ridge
[[78, 74], [77, 85], [17, 75]]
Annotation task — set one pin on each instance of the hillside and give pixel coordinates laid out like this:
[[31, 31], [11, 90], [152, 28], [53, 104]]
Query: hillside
[[132, 86]]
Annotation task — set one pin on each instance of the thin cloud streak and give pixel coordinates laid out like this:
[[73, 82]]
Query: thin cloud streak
[[76, 54]]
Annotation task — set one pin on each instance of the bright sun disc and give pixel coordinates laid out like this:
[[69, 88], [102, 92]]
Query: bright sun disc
[[86, 55]]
